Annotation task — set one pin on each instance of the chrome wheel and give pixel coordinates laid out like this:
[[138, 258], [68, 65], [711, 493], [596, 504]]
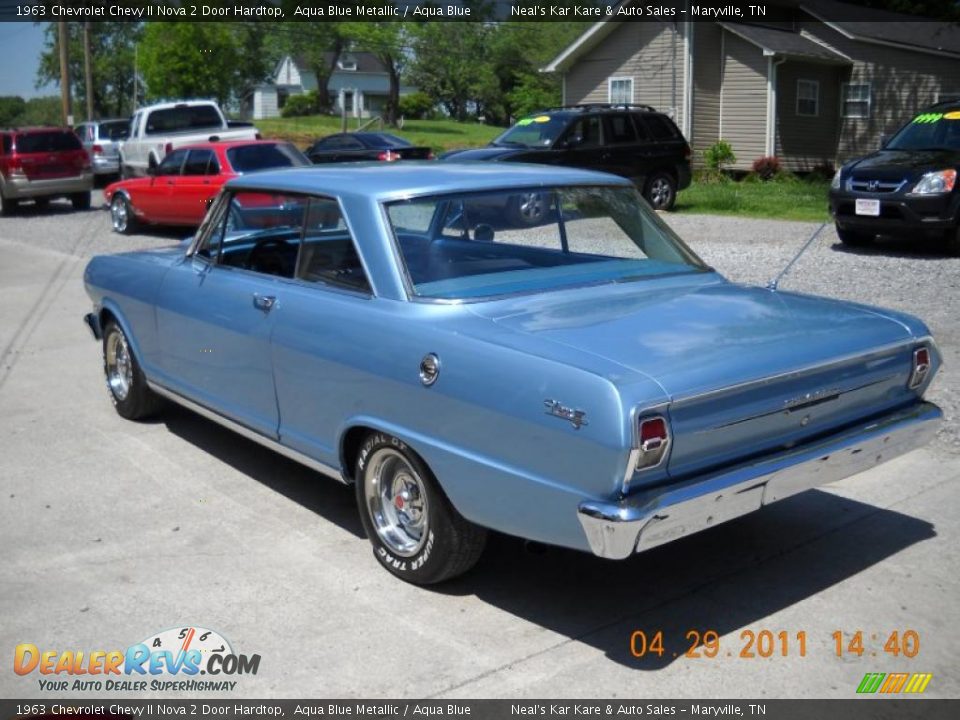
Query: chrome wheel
[[531, 208], [119, 366], [660, 193], [119, 214], [396, 498]]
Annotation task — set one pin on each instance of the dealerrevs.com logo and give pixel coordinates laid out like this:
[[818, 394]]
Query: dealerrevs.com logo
[[171, 660]]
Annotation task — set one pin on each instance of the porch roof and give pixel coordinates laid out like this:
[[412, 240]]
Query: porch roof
[[786, 44]]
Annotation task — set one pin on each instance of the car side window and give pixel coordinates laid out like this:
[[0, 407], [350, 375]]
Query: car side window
[[660, 128], [262, 231], [172, 163], [198, 162], [328, 254], [619, 129], [587, 128], [211, 230]]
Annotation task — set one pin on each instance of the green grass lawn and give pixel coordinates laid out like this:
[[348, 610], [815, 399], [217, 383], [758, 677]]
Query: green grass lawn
[[441, 135], [786, 200]]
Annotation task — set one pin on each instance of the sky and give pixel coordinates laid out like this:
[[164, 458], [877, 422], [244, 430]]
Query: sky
[[21, 43]]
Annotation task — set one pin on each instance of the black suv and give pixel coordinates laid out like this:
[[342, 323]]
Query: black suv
[[909, 187], [634, 141]]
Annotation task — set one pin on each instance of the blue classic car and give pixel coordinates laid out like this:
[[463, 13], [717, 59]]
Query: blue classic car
[[586, 381]]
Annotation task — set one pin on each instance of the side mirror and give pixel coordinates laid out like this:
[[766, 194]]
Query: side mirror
[[152, 171], [572, 142]]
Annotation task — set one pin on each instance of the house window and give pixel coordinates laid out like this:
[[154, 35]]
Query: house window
[[347, 62], [808, 98], [856, 100], [620, 91]]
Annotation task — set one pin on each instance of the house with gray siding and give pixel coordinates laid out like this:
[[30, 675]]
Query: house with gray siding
[[358, 84], [809, 90]]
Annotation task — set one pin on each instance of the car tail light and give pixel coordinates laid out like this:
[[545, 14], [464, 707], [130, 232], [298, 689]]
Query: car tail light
[[98, 149], [431, 156], [921, 367], [388, 155], [16, 168], [654, 433]]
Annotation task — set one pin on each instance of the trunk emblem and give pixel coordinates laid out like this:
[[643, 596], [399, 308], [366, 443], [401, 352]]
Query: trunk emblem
[[810, 398], [577, 418]]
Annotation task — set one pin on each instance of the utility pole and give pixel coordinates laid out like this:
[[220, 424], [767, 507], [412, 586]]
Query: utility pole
[[63, 40], [86, 69], [136, 49]]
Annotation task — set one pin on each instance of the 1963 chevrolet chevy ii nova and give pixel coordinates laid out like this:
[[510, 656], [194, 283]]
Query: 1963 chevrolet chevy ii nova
[[584, 381]]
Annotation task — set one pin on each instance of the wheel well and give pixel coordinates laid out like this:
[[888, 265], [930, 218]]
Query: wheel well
[[106, 316], [350, 448]]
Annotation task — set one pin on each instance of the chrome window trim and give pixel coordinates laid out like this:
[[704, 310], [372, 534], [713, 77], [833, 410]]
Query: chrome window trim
[[246, 432], [682, 400]]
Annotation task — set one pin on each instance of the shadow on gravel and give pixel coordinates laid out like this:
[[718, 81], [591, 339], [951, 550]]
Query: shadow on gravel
[[727, 579], [926, 250], [331, 500]]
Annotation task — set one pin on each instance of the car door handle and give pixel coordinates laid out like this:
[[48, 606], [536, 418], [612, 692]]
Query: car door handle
[[264, 302]]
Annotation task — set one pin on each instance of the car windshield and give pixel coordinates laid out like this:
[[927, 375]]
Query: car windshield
[[534, 131], [929, 131], [177, 119], [54, 141], [250, 158], [479, 245], [115, 130]]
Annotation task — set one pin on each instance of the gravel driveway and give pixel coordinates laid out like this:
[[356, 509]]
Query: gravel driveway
[[921, 281]]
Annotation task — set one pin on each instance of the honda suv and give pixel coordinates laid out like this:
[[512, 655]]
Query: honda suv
[[908, 188], [634, 141], [43, 163]]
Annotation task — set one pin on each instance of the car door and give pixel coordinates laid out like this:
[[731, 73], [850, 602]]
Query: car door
[[325, 339], [664, 148], [154, 195], [625, 153], [216, 309], [583, 143], [195, 187]]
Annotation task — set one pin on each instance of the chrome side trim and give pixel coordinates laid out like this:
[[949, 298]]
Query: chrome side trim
[[681, 400], [616, 529], [246, 432]]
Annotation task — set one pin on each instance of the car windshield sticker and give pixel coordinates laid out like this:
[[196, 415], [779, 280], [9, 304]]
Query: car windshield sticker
[[927, 118], [542, 119], [525, 121]]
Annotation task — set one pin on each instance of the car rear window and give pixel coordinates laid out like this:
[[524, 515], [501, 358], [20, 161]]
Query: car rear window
[[191, 117], [7, 144], [250, 158], [661, 128], [118, 130], [53, 141]]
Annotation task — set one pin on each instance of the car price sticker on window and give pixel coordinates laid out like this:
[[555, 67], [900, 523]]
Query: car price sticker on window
[[868, 207]]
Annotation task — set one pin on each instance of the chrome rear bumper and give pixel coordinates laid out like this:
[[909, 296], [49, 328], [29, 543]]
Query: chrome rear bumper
[[645, 520]]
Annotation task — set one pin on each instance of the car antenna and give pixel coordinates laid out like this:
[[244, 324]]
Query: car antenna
[[772, 285]]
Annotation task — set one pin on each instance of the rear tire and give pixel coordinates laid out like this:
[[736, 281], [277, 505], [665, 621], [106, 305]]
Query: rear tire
[[661, 191], [126, 383], [952, 242], [528, 209], [81, 201], [416, 533], [7, 206], [853, 238]]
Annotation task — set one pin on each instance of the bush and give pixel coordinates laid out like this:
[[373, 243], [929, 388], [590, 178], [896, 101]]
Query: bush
[[417, 106], [823, 171], [711, 177], [767, 167], [299, 105], [718, 155]]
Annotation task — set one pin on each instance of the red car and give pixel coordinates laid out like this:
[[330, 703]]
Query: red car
[[179, 191], [40, 164]]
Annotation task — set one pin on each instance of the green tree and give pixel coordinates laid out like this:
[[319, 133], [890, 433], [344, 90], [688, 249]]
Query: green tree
[[317, 45], [187, 60], [451, 64], [12, 108], [112, 58]]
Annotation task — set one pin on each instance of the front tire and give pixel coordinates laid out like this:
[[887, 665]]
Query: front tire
[[126, 383], [416, 533], [852, 238], [122, 219], [528, 209], [953, 242], [660, 191], [7, 206]]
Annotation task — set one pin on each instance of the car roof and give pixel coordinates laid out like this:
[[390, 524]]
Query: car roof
[[227, 144], [384, 181], [176, 104]]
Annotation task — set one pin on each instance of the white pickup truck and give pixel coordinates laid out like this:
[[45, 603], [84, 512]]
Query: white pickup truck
[[157, 129]]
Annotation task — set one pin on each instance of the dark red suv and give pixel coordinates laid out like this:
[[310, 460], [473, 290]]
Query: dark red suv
[[43, 163]]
